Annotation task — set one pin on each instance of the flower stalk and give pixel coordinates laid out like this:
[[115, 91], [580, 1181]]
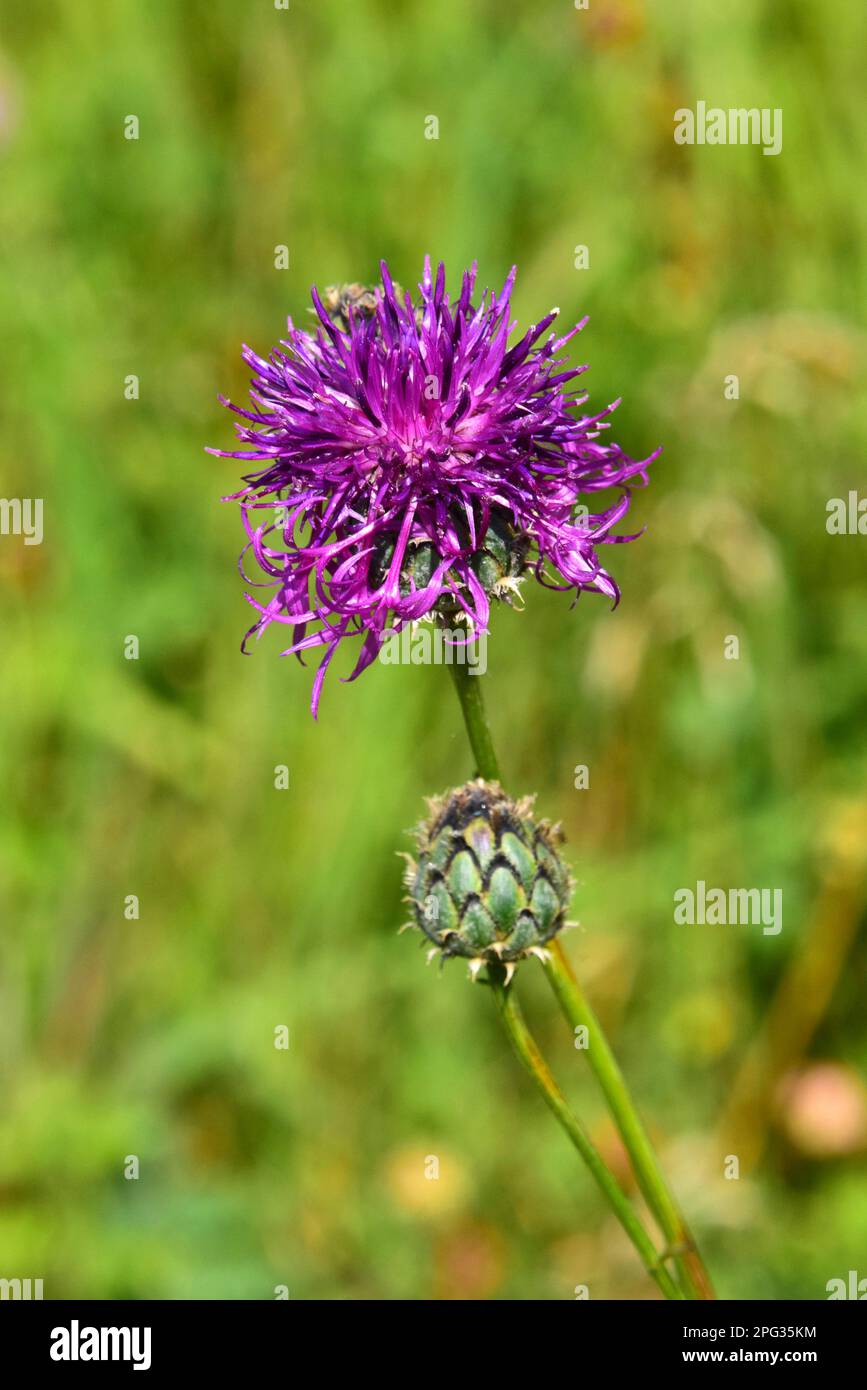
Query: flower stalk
[[524, 1045], [469, 689], [648, 1172], [693, 1280]]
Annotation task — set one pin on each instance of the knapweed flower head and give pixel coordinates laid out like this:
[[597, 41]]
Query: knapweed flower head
[[413, 465], [488, 883]]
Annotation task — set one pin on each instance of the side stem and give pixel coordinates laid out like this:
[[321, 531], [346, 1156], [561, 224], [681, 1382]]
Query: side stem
[[525, 1046], [650, 1177]]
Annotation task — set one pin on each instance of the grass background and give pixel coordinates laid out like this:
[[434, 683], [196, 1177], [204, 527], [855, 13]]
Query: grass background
[[305, 127]]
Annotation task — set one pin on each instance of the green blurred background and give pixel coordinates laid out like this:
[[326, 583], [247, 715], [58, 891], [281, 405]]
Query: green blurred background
[[259, 907]]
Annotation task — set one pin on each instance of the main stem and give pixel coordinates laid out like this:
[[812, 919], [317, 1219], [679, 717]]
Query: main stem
[[693, 1275], [469, 688], [525, 1046], [650, 1177]]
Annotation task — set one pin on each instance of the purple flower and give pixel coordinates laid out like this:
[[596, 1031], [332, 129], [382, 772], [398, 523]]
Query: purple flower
[[413, 463]]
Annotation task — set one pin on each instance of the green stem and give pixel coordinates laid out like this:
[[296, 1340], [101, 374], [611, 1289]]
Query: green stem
[[693, 1274], [650, 1177], [469, 688], [525, 1046]]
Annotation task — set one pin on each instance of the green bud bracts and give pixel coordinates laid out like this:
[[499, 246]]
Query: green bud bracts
[[502, 558], [489, 883], [498, 563]]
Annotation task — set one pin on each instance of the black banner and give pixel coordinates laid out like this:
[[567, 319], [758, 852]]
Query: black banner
[[75, 1339]]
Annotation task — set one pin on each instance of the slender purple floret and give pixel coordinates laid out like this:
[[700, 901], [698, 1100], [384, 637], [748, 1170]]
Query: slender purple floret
[[415, 427]]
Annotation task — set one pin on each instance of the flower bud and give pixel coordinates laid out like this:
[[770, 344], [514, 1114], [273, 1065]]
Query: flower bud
[[489, 883]]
